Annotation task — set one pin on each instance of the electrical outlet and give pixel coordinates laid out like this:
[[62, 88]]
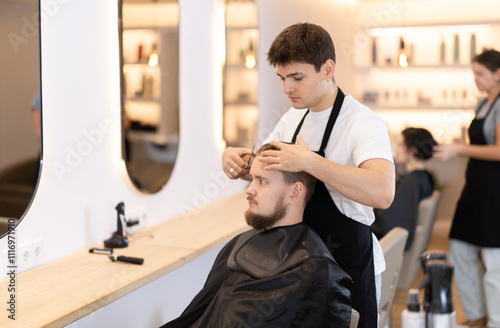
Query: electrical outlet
[[137, 214], [30, 255]]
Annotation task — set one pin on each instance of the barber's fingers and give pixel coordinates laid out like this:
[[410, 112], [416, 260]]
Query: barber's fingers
[[235, 172], [232, 161], [231, 172]]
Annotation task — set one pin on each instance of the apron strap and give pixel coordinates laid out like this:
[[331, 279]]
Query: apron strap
[[329, 126], [491, 106], [331, 121], [294, 139]]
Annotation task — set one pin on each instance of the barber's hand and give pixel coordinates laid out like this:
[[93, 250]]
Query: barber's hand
[[234, 161], [290, 157], [444, 152]]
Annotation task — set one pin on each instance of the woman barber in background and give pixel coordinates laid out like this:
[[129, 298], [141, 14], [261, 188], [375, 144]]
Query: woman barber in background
[[475, 231]]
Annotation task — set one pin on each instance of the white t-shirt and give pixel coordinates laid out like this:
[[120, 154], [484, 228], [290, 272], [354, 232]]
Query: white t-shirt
[[358, 135]]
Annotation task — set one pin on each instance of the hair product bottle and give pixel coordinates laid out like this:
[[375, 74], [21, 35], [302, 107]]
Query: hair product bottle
[[472, 46], [442, 51], [456, 49], [412, 317]]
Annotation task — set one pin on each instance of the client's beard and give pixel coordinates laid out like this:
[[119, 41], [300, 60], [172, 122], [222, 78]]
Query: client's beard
[[258, 221]]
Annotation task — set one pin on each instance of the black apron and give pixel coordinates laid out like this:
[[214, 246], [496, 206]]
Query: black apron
[[349, 241], [477, 216]]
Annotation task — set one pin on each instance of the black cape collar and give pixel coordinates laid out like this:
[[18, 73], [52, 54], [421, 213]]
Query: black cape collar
[[266, 253]]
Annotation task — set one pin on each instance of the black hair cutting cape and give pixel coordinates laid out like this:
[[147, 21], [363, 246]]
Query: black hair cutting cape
[[281, 277]]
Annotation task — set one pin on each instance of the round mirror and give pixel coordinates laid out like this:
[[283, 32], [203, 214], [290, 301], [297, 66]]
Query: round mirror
[[20, 108], [149, 90]]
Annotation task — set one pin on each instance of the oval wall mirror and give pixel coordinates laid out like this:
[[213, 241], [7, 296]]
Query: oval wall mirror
[[149, 90], [20, 108]]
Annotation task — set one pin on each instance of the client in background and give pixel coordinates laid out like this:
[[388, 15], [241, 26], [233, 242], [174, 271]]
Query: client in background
[[413, 148], [280, 273]]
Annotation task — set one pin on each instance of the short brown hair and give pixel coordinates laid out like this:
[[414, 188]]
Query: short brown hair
[[305, 178], [302, 43]]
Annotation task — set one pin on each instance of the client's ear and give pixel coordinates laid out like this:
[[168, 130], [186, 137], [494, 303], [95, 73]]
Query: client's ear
[[297, 193]]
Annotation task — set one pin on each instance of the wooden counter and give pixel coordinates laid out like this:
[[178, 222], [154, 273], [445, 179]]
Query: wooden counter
[[60, 292]]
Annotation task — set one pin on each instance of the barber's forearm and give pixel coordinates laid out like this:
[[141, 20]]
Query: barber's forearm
[[371, 184]]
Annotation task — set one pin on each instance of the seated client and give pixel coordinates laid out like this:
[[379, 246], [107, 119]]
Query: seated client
[[413, 148], [279, 274]]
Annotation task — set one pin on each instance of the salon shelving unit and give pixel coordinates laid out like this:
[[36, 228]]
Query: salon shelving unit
[[150, 94], [438, 74], [142, 82], [240, 73], [434, 86]]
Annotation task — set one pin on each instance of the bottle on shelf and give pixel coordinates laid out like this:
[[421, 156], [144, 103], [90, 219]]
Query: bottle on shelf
[[442, 51], [402, 58], [472, 46], [456, 49], [140, 54]]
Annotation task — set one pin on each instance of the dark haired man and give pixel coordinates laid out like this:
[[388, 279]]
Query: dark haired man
[[280, 273], [346, 147]]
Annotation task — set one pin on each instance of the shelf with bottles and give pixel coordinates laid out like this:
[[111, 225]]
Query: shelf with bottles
[[142, 83], [142, 78], [139, 44], [141, 70], [241, 47], [449, 46], [423, 89], [240, 73], [438, 74]]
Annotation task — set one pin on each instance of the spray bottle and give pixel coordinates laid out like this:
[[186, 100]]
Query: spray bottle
[[412, 317]]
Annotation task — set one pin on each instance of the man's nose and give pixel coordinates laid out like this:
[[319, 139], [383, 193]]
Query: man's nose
[[250, 190], [288, 86]]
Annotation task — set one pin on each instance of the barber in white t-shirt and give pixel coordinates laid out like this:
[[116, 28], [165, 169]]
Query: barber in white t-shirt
[[341, 143]]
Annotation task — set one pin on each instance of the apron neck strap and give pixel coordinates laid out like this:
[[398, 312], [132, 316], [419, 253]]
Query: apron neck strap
[[329, 126], [331, 120], [491, 106]]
